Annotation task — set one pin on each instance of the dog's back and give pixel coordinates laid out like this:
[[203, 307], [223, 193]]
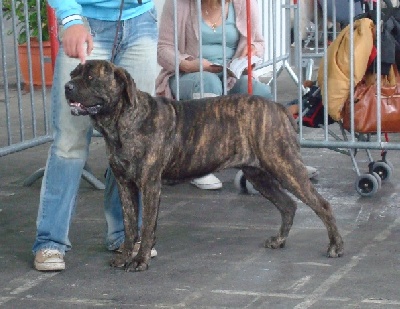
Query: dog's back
[[241, 118]]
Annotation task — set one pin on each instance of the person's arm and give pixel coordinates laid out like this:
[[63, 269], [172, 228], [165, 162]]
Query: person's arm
[[75, 33], [257, 39], [166, 45], [68, 12]]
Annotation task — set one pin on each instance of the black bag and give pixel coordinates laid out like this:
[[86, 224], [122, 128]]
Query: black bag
[[313, 109]]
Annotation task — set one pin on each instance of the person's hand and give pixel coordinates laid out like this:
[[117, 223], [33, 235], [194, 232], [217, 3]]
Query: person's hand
[[210, 67], [244, 52], [190, 66], [73, 41]]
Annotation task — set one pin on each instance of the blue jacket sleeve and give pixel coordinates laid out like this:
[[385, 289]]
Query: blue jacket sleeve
[[65, 9]]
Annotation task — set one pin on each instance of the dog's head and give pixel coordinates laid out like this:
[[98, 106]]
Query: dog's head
[[98, 87]]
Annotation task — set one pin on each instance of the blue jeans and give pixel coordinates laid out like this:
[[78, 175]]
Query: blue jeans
[[189, 84], [137, 52]]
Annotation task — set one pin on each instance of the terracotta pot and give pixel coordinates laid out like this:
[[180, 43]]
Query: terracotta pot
[[36, 70]]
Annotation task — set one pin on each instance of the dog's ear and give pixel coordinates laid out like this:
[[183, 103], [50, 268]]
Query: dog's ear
[[77, 71], [126, 81]]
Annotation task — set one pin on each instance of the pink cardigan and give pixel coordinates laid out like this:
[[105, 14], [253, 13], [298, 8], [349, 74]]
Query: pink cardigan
[[188, 36]]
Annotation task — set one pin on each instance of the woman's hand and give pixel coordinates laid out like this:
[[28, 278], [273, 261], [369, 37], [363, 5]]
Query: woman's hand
[[190, 66], [245, 53]]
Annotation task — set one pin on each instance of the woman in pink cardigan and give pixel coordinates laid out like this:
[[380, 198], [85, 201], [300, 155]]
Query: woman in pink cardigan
[[188, 33]]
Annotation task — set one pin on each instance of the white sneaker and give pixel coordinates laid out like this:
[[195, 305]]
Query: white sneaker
[[208, 182], [49, 260], [312, 172], [243, 185], [153, 252]]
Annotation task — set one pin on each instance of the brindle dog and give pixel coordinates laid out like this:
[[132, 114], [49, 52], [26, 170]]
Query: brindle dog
[[153, 138]]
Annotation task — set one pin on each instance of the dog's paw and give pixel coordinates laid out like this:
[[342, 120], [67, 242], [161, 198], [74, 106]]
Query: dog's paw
[[137, 265], [119, 261], [335, 250], [275, 242]]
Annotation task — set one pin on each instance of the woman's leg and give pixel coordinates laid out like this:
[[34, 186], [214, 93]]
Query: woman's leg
[[189, 85], [259, 88]]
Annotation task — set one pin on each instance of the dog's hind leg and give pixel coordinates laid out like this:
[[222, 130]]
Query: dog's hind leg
[[295, 179], [269, 187], [324, 210]]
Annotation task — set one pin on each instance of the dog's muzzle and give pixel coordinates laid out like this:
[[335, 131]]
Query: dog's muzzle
[[78, 109]]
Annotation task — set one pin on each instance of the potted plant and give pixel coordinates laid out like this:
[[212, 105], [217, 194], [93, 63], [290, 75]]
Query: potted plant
[[32, 28]]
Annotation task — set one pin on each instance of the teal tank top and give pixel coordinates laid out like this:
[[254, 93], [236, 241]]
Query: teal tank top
[[212, 39]]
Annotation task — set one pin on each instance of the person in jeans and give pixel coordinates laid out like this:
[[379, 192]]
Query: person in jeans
[[212, 52], [87, 30]]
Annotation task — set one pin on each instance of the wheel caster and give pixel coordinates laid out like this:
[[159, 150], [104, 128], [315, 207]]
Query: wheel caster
[[243, 185], [378, 178], [367, 184], [389, 163], [383, 169]]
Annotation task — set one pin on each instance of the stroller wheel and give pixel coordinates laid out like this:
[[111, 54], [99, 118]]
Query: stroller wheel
[[378, 178], [383, 169], [366, 185], [388, 163]]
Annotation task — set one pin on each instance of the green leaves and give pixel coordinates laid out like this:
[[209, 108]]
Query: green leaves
[[31, 24]]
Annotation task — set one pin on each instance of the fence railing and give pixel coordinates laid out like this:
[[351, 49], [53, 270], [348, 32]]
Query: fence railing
[[325, 21], [24, 109]]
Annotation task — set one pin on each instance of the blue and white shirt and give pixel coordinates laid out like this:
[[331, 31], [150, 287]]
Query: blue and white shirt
[[70, 12]]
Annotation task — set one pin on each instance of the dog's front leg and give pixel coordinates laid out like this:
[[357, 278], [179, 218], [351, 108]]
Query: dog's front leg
[[129, 195], [150, 204]]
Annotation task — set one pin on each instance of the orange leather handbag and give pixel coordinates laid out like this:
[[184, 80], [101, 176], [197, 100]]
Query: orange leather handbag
[[365, 104]]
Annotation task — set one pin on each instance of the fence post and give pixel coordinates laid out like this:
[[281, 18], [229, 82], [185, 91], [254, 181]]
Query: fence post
[[53, 34], [249, 68]]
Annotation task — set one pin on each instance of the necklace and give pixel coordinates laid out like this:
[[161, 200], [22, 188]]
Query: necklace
[[212, 22], [214, 25]]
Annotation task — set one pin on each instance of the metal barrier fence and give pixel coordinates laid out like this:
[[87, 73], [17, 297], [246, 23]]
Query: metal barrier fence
[[24, 120], [324, 24], [338, 36], [26, 78]]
